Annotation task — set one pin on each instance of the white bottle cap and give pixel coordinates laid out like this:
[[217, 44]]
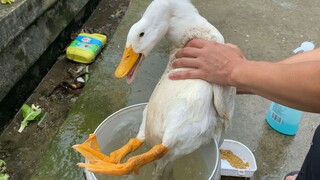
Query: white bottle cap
[[305, 46]]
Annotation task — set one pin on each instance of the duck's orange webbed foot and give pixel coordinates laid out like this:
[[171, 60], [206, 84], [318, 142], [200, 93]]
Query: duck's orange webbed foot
[[91, 151], [131, 146], [132, 165]]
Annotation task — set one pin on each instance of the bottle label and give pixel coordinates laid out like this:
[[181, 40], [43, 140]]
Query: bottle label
[[282, 114], [277, 113], [87, 43]]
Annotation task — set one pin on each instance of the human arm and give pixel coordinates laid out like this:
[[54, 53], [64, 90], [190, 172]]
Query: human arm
[[292, 84], [295, 85], [303, 57]]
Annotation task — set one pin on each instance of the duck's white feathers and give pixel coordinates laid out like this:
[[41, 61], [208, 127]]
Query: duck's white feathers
[[153, 24], [179, 110], [184, 110], [186, 23], [184, 114]]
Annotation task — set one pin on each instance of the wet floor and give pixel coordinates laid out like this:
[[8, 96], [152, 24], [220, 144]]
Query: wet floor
[[267, 30], [22, 152]]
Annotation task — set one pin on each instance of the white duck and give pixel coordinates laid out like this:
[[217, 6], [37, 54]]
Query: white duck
[[181, 115]]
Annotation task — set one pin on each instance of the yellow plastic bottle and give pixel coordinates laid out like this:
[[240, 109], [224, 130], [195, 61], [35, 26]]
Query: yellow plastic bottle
[[85, 47]]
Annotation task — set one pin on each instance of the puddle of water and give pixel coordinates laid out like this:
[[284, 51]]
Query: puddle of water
[[102, 96]]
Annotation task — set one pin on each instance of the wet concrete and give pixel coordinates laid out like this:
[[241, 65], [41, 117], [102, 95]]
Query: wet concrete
[[23, 151], [30, 43], [28, 28], [264, 30]]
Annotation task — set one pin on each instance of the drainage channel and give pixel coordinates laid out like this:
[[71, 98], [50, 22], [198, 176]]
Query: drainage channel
[[12, 102], [23, 151]]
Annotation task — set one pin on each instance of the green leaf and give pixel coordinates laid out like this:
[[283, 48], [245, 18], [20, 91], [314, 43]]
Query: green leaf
[[29, 114], [2, 166], [43, 118], [7, 1], [4, 176]]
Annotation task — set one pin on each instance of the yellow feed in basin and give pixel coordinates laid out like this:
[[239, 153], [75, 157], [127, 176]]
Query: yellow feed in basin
[[85, 47]]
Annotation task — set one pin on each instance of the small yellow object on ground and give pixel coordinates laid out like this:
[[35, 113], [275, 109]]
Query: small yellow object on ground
[[86, 47], [7, 1], [233, 159]]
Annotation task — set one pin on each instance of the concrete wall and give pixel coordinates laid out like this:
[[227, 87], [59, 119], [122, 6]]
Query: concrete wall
[[27, 28], [14, 18]]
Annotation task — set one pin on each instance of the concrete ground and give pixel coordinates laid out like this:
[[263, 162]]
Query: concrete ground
[[23, 26], [264, 30], [23, 151]]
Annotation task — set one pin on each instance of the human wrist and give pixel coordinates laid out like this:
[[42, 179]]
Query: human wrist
[[239, 73]]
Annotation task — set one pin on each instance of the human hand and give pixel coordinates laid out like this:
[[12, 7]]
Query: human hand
[[211, 61]]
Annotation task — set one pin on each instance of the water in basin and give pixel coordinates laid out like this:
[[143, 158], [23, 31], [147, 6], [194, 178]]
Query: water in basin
[[123, 125]]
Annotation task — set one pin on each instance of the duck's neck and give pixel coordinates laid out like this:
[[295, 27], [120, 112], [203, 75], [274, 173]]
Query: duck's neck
[[183, 20]]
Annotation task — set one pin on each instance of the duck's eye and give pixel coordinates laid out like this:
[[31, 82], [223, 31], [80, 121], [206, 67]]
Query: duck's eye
[[141, 34]]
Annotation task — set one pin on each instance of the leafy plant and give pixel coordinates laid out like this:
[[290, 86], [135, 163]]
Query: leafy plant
[[29, 114], [7, 1], [3, 171]]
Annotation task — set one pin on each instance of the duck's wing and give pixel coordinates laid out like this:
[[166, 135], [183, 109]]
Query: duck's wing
[[223, 100]]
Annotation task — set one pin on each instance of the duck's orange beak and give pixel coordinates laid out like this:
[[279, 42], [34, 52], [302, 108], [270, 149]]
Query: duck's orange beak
[[129, 64], [129, 59]]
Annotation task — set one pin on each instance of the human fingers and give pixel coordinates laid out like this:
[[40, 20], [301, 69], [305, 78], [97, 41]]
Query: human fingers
[[188, 52], [196, 43], [185, 63], [188, 74]]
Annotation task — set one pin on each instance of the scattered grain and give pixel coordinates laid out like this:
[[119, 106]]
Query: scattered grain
[[233, 159]]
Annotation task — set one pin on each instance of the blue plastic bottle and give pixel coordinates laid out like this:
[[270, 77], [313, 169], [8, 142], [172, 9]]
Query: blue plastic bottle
[[284, 119]]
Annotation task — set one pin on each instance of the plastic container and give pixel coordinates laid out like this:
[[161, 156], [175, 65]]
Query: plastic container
[[282, 118], [242, 152], [85, 47]]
